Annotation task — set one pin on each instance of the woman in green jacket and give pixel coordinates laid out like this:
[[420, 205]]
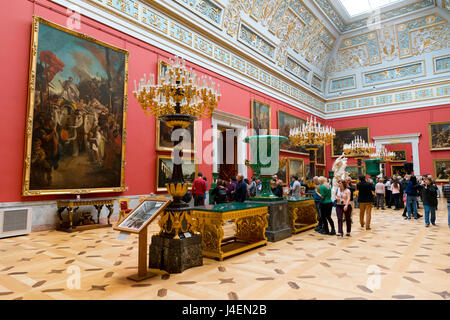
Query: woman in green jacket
[[326, 205]]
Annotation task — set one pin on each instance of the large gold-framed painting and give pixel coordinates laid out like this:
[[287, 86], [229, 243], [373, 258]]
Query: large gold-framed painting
[[286, 122], [260, 114], [353, 172], [164, 170], [282, 175], [439, 133], [441, 169], [344, 136], [76, 113], [296, 167]]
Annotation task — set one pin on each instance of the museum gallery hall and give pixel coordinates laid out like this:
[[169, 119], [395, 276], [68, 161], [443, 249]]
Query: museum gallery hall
[[225, 150]]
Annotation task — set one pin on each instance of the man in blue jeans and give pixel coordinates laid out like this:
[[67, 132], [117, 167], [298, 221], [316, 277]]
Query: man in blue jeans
[[411, 197], [430, 202], [446, 192]]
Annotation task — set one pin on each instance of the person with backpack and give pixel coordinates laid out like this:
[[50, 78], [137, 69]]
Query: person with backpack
[[219, 193]]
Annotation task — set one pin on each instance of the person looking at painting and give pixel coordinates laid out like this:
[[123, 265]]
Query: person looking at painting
[[395, 194], [326, 205], [219, 193], [277, 189], [380, 192], [198, 190], [295, 188], [430, 201], [343, 207], [411, 198], [365, 197], [240, 195], [231, 188], [317, 200]]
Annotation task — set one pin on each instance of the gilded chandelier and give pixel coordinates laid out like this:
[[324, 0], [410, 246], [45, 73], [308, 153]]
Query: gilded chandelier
[[311, 133], [359, 148], [383, 153], [178, 91]]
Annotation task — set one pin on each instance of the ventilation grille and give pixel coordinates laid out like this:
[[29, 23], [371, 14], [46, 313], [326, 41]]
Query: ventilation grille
[[15, 222]]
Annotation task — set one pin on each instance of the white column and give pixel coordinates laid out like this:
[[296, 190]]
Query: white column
[[215, 146], [415, 152]]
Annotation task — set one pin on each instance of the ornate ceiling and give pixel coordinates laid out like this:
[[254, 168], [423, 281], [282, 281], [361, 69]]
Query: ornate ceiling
[[308, 50]]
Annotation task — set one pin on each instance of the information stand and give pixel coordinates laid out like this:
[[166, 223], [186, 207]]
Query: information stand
[[137, 222]]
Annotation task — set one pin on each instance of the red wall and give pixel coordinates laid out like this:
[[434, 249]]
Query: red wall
[[400, 122], [140, 148]]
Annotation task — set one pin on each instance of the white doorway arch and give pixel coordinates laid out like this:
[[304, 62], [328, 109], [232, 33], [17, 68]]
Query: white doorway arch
[[412, 138]]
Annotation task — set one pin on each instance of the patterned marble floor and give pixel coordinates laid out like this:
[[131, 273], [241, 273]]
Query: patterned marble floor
[[397, 259]]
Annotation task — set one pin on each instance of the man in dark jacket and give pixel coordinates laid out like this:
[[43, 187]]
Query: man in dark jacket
[[411, 197], [446, 192], [430, 202], [365, 197], [240, 194]]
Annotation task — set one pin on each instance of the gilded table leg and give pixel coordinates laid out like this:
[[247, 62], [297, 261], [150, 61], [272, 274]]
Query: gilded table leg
[[251, 229], [111, 209], [70, 212], [99, 209], [292, 218], [212, 236]]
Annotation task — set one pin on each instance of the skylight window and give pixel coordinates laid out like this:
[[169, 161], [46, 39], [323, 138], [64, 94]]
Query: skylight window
[[357, 7]]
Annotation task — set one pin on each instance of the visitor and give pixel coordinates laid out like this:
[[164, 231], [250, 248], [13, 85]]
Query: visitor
[[240, 194], [446, 192], [388, 192], [395, 194], [258, 186], [430, 201], [247, 182], [326, 205], [380, 192], [343, 207], [219, 193], [206, 187], [411, 198], [198, 190], [253, 188], [317, 200], [277, 189], [296, 187], [365, 196], [231, 188]]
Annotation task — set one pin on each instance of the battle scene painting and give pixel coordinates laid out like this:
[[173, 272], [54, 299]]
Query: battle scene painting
[[77, 110]]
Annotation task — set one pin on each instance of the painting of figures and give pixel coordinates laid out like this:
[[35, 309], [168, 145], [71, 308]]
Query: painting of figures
[[439, 134], [346, 136], [286, 122], [164, 169], [77, 93], [260, 113], [441, 169]]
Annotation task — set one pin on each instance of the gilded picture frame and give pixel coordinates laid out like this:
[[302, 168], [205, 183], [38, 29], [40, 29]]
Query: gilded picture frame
[[353, 172], [439, 135], [286, 122], [163, 171], [441, 170], [163, 137], [400, 155], [321, 159], [398, 170], [344, 136], [293, 168], [61, 67], [260, 120]]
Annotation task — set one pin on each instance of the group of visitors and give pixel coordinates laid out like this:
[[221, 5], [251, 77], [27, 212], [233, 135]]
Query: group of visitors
[[398, 191]]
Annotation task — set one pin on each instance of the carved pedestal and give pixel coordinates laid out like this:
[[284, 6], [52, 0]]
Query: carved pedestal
[[278, 220]]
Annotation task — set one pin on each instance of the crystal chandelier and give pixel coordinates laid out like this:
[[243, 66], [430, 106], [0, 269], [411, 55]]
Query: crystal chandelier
[[311, 133], [383, 153], [359, 148], [178, 91]]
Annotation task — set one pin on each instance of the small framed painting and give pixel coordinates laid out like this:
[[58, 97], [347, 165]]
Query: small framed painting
[[260, 117], [439, 133], [164, 170], [441, 169], [400, 155]]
